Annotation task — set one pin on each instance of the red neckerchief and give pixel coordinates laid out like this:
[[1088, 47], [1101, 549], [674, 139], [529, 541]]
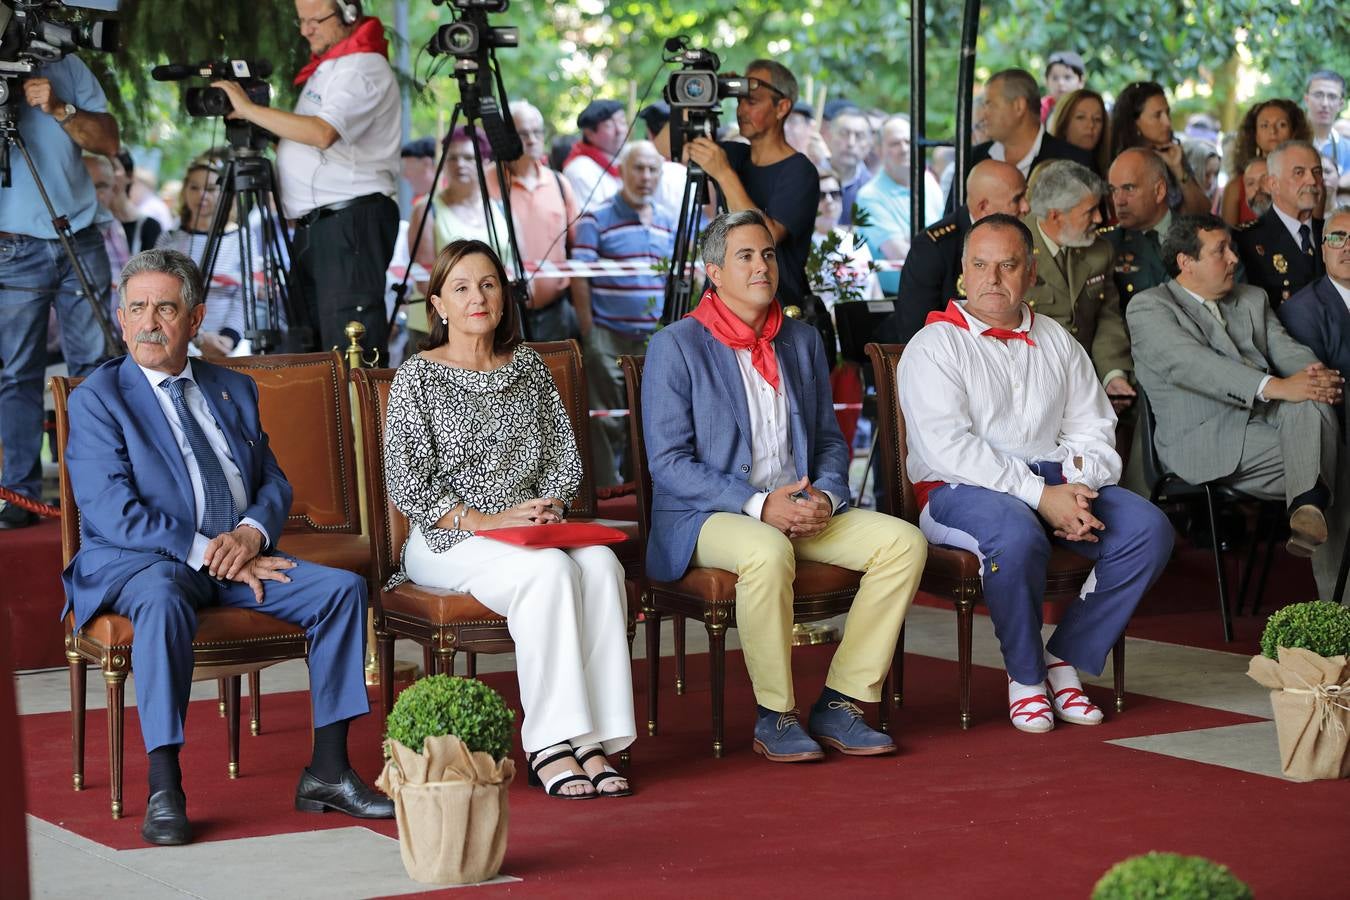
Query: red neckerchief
[[600, 157], [368, 37], [952, 315], [713, 315]]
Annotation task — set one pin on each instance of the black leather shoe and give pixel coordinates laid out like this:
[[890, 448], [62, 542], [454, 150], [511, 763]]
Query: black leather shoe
[[12, 516], [351, 795], [166, 821]]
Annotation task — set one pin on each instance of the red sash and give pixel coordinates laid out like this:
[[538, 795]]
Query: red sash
[[952, 316], [727, 327], [601, 158], [367, 38]]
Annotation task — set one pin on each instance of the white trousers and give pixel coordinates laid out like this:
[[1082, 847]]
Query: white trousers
[[566, 611]]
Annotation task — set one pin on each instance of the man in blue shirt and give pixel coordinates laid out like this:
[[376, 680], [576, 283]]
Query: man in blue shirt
[[617, 313], [62, 114], [1324, 99]]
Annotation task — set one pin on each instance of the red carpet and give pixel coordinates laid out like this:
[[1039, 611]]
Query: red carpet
[[32, 596], [957, 813]]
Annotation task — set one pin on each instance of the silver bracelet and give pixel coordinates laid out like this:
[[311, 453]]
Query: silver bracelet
[[454, 521]]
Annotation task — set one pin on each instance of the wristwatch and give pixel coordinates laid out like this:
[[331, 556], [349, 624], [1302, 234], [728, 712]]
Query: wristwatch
[[68, 111]]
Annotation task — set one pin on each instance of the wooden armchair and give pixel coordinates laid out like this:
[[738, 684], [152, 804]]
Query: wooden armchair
[[950, 573], [820, 590], [228, 642]]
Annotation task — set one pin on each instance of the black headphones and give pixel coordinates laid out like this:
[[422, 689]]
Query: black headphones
[[349, 12]]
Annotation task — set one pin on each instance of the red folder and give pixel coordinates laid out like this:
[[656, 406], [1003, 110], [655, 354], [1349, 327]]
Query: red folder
[[562, 535]]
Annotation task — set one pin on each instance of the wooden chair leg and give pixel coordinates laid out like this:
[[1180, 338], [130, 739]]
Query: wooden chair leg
[[428, 660], [884, 707], [470, 664], [78, 684], [678, 622], [220, 696], [232, 722], [898, 670], [1224, 613], [255, 702], [384, 647], [717, 676], [653, 624], [445, 661], [965, 614], [1118, 672], [116, 682]]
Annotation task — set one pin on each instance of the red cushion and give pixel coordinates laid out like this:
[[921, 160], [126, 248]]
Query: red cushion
[[560, 534]]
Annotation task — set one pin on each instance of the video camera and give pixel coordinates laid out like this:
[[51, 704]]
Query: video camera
[[203, 102], [471, 36], [30, 35], [695, 92], [472, 41]]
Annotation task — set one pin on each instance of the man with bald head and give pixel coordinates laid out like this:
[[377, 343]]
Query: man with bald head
[[885, 200], [933, 270], [1280, 249], [1138, 181]]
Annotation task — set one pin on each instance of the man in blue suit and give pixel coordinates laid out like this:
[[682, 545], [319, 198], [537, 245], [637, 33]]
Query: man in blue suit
[[1319, 317], [750, 473], [181, 502]]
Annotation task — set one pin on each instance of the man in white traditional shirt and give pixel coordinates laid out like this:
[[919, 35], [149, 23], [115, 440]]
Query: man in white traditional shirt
[[1011, 450]]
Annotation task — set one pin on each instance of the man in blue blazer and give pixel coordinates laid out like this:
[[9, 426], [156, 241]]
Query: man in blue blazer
[[750, 473], [1318, 316], [181, 502]]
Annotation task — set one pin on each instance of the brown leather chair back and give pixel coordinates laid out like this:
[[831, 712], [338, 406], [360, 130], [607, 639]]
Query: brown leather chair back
[[388, 527], [642, 478], [564, 363], [70, 513], [899, 492], [304, 407]]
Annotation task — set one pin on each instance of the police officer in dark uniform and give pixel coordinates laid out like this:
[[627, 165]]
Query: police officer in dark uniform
[[932, 273], [1138, 180], [1280, 249]]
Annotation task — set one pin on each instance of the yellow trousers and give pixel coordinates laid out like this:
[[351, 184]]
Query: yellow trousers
[[889, 551]]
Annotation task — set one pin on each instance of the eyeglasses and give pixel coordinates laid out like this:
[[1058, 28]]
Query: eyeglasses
[[1335, 239], [315, 21], [530, 132], [755, 84], [831, 195], [1325, 97]]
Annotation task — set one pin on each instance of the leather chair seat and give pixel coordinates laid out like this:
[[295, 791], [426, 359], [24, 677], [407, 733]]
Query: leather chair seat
[[718, 586], [442, 607], [215, 625], [338, 550]]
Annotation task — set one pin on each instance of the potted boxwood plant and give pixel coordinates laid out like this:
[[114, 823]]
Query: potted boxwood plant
[[448, 741], [1170, 875], [1303, 661]]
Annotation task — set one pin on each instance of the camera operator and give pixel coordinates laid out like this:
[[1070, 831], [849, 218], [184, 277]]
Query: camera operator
[[768, 175], [65, 113], [338, 164]]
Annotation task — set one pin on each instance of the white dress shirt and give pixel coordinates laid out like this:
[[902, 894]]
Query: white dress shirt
[[196, 405], [998, 151], [979, 409], [1292, 225], [771, 462], [1342, 290]]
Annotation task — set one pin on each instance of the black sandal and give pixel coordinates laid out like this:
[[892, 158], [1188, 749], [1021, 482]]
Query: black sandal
[[590, 751], [548, 756]]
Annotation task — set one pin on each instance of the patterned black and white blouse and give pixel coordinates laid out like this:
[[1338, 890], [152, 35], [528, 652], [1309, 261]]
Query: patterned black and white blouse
[[487, 439]]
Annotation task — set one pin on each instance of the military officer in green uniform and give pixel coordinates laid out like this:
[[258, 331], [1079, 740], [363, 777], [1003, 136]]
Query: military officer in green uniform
[[1138, 180], [1280, 249], [1074, 284]]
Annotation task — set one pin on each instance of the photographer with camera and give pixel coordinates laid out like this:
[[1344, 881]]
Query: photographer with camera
[[768, 175], [338, 163], [62, 112]]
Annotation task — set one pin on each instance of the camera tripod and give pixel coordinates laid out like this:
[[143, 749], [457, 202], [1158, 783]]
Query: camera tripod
[[10, 136], [249, 183], [684, 258]]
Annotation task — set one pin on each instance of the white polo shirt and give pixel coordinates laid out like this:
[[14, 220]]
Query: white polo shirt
[[358, 95]]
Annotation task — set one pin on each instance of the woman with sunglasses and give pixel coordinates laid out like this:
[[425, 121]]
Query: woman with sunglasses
[[856, 270]]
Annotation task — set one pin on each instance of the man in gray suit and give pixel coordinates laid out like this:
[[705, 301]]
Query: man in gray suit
[[1236, 398]]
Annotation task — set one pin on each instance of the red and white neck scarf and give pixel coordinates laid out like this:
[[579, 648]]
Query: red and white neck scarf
[[728, 328]]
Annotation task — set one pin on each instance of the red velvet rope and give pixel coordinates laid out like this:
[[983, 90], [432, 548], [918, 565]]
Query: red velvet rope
[[33, 506]]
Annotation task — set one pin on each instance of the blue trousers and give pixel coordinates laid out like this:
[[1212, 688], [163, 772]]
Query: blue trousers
[[1013, 544], [162, 602], [34, 274]]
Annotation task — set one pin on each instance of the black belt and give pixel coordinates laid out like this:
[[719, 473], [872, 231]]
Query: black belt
[[320, 212]]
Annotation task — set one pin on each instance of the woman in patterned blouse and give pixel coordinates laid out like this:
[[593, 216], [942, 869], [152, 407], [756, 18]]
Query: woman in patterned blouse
[[477, 438]]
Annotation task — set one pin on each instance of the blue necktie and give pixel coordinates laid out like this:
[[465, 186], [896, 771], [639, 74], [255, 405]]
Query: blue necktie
[[218, 513]]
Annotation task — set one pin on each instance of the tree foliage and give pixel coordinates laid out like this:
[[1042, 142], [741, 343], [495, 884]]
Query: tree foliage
[[575, 50]]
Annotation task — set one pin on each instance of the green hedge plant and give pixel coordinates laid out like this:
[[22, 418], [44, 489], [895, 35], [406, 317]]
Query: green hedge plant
[[1323, 628], [444, 704], [1172, 876]]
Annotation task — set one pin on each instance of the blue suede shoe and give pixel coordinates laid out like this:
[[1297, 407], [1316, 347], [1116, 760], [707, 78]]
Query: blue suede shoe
[[839, 724], [781, 738]]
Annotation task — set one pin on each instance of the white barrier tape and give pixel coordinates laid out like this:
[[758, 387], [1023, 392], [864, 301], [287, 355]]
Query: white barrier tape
[[576, 268]]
